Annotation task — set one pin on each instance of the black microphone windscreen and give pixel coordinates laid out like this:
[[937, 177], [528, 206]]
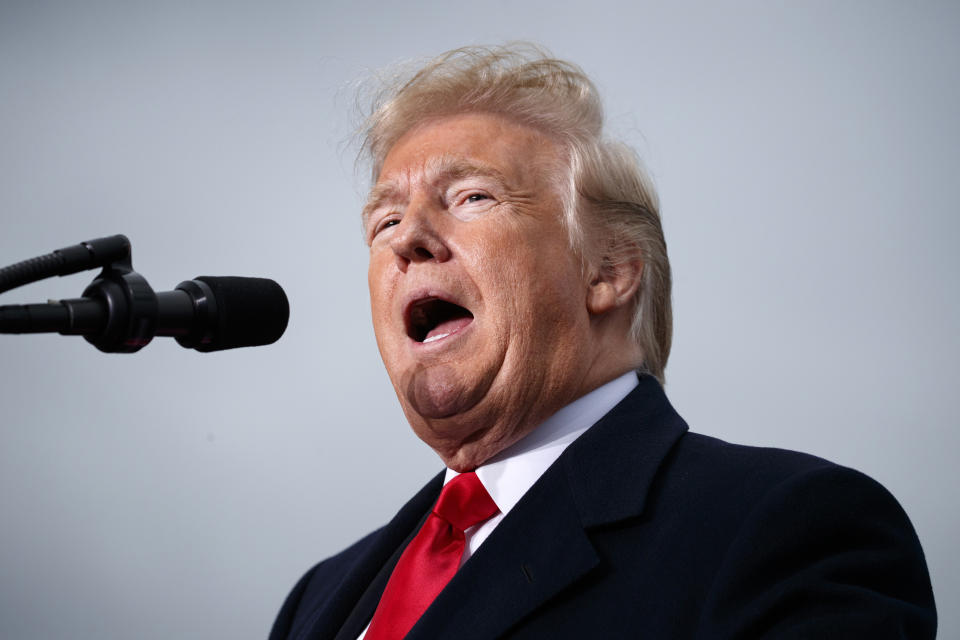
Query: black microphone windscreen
[[250, 312]]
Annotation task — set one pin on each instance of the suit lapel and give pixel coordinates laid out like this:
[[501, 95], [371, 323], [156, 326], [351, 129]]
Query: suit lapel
[[543, 545], [513, 572], [611, 467]]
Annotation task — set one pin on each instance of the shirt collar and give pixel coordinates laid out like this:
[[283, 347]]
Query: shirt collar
[[510, 474]]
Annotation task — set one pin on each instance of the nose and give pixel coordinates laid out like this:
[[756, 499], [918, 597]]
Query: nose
[[417, 237]]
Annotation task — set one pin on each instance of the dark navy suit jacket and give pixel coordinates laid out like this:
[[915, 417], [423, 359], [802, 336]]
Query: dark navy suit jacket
[[644, 530]]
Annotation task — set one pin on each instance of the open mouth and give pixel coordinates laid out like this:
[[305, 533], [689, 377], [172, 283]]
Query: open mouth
[[432, 319]]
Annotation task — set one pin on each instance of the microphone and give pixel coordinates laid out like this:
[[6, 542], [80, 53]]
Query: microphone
[[121, 313]]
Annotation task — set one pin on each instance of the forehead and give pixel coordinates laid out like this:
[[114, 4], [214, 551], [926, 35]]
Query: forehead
[[468, 144]]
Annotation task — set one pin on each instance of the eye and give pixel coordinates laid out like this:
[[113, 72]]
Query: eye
[[469, 198], [469, 203], [386, 223]]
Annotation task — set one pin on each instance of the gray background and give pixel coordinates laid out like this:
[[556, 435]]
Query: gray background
[[807, 157]]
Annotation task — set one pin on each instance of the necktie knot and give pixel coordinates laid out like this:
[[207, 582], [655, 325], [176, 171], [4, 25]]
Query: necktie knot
[[464, 502], [432, 557]]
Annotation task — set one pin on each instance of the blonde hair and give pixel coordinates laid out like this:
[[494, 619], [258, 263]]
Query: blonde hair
[[610, 206]]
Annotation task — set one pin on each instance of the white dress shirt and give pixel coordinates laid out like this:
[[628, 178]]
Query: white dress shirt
[[509, 475]]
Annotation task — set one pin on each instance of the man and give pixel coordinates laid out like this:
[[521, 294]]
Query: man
[[519, 288]]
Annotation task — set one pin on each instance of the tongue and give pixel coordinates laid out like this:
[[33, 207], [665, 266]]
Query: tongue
[[448, 326]]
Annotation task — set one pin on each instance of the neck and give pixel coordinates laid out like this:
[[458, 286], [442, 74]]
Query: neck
[[492, 427]]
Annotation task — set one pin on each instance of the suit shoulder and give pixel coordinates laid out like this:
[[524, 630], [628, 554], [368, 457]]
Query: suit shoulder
[[770, 459], [726, 466], [317, 586], [730, 481], [810, 548], [327, 574], [802, 545]]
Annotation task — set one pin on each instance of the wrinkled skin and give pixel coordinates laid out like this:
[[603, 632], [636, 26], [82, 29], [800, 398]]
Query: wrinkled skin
[[466, 209]]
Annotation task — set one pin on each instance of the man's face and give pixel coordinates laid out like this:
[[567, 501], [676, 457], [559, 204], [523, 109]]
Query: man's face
[[478, 301]]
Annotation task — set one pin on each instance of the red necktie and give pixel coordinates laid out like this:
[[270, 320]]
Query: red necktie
[[431, 558]]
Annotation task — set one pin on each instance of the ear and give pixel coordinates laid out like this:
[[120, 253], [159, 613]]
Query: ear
[[614, 285]]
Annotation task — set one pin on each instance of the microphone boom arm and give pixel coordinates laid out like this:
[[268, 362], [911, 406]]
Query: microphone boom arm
[[91, 254]]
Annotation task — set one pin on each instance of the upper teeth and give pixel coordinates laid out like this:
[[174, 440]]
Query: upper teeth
[[436, 337]]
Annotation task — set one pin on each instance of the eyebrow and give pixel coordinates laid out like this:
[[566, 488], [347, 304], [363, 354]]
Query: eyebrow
[[439, 169], [380, 193]]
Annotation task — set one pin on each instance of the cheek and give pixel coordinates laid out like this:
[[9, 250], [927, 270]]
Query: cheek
[[381, 292], [534, 276]]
